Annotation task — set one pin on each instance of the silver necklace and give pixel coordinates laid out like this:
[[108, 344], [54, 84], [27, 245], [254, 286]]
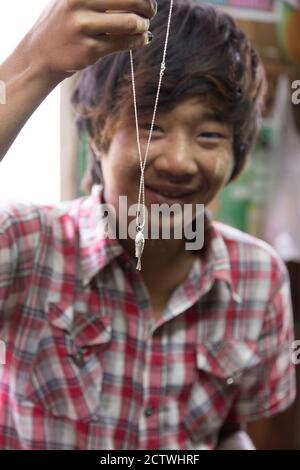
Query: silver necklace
[[140, 239]]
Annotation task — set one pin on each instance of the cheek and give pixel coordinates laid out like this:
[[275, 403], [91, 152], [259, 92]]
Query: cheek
[[221, 167], [216, 169], [120, 177], [122, 158]]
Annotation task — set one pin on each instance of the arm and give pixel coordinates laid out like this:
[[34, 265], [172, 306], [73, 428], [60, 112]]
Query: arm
[[269, 386], [26, 86], [234, 437], [237, 441], [68, 36]]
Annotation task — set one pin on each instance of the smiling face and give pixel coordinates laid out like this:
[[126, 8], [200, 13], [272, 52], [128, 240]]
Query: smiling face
[[190, 157]]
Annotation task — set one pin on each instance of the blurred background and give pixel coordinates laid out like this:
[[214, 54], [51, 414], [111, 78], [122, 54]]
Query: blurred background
[[47, 161], [265, 200], [31, 169]]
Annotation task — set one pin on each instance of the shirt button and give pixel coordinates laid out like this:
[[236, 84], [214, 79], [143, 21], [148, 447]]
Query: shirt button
[[149, 411], [234, 378], [128, 266], [79, 359]]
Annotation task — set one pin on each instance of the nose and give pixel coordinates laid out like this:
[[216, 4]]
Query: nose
[[176, 160]]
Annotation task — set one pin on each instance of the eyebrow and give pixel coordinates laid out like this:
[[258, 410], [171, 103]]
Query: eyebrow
[[211, 117], [206, 116]]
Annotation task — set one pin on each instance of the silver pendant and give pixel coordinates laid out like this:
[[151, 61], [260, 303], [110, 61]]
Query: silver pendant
[[139, 247]]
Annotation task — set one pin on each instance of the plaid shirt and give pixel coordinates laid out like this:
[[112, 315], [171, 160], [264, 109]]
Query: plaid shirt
[[88, 366]]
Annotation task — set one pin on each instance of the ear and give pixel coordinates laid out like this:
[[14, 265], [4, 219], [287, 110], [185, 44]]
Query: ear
[[93, 174], [94, 149]]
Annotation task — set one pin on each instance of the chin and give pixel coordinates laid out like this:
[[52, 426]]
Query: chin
[[157, 225]]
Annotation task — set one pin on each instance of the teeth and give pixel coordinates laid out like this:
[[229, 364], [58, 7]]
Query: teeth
[[169, 195], [166, 194]]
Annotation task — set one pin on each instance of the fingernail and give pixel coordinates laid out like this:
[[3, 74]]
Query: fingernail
[[150, 36], [154, 6]]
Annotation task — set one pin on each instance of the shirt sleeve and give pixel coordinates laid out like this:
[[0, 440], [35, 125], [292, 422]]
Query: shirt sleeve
[[19, 237], [270, 386]]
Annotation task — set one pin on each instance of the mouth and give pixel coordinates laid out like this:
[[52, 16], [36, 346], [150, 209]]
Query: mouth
[[168, 196]]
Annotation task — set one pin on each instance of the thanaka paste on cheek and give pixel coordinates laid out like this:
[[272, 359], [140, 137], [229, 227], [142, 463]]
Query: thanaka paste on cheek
[[219, 168], [222, 166]]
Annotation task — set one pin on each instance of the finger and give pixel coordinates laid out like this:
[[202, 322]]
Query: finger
[[146, 8], [92, 23], [113, 44]]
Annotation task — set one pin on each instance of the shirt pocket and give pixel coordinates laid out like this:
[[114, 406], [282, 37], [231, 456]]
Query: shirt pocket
[[66, 377], [219, 370]]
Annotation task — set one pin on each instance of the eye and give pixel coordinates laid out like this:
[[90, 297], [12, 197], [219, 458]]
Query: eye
[[147, 127], [212, 135]]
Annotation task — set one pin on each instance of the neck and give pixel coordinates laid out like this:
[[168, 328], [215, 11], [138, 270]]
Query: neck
[[158, 254], [165, 263]]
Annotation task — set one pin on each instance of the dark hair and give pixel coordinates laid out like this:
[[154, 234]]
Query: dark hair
[[207, 55]]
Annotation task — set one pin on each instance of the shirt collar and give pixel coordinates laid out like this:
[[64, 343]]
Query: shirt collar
[[97, 251], [216, 257]]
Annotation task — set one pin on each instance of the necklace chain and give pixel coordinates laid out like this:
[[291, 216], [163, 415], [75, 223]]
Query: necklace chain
[[143, 164]]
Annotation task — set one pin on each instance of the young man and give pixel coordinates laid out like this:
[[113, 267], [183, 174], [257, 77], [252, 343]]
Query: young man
[[184, 353]]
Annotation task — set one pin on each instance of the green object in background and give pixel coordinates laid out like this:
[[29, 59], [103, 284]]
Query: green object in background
[[82, 161], [235, 201], [241, 202]]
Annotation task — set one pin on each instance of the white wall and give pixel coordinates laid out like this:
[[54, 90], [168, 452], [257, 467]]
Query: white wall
[[31, 168]]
